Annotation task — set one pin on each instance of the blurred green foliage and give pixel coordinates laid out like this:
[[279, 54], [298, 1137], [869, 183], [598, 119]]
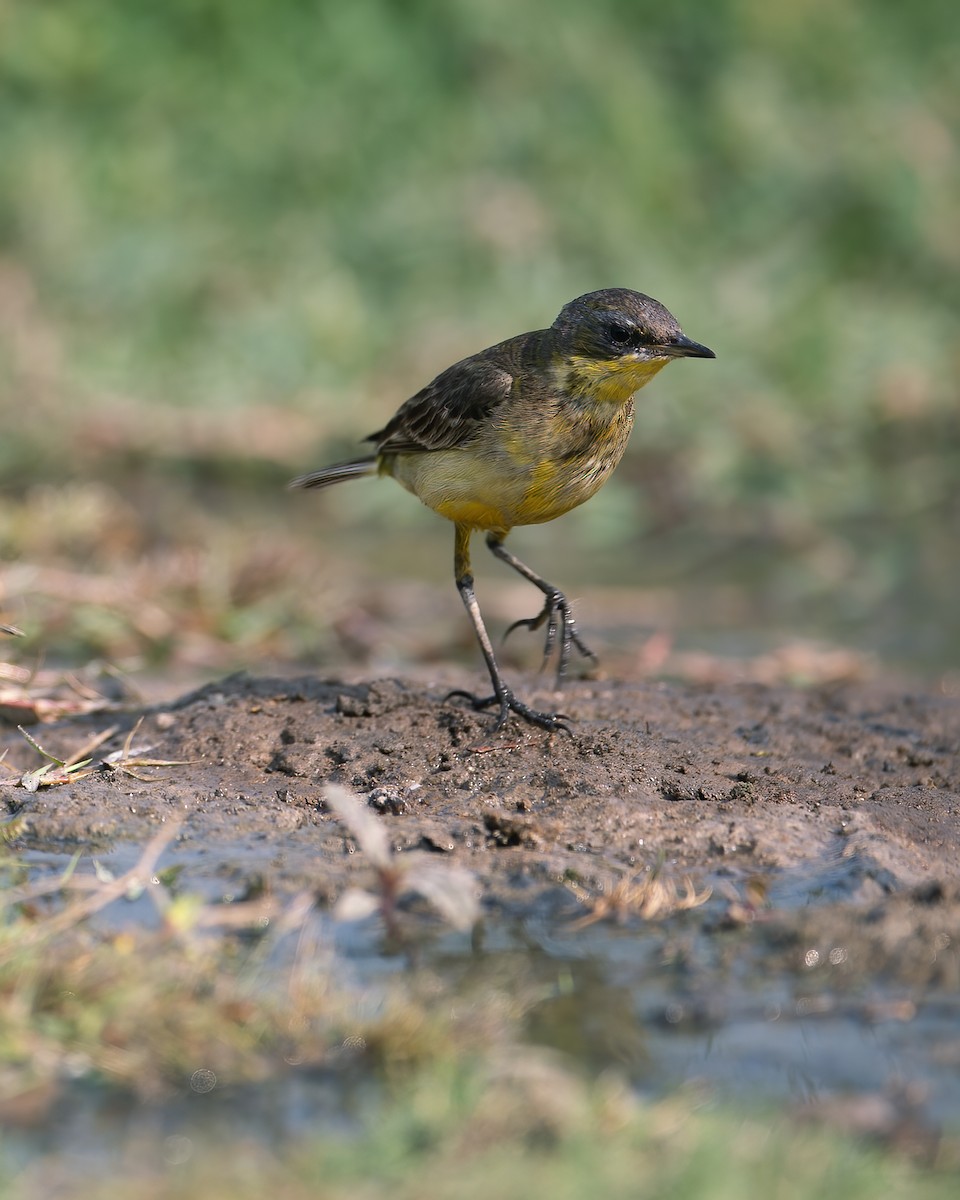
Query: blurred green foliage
[[227, 206]]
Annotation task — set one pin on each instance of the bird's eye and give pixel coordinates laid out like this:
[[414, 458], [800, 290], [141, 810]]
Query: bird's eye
[[621, 334]]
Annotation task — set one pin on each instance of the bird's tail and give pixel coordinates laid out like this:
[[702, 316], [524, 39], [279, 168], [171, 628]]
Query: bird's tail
[[336, 474]]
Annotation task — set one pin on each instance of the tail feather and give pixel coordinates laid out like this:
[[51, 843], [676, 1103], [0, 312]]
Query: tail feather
[[336, 473]]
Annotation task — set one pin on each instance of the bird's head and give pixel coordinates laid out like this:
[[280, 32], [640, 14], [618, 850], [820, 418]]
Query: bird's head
[[613, 341], [618, 323]]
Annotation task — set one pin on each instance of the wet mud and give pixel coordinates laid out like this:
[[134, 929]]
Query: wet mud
[[847, 791]]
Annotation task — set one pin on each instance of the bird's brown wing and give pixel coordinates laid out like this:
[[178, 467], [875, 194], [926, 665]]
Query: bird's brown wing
[[447, 412]]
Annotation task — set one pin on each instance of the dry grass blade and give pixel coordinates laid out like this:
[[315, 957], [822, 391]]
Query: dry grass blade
[[51, 776], [33, 695], [57, 770], [651, 897], [125, 759], [53, 773]]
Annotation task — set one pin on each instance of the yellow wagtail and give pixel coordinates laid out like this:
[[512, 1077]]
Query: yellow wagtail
[[519, 434]]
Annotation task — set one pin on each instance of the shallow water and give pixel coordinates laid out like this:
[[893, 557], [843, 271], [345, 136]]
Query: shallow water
[[689, 1002]]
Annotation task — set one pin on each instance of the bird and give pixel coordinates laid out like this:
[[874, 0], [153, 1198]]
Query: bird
[[519, 434]]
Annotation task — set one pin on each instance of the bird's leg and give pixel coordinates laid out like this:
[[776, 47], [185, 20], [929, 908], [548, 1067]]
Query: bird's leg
[[502, 696], [556, 611]]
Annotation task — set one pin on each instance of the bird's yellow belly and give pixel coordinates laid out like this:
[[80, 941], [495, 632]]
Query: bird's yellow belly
[[497, 491]]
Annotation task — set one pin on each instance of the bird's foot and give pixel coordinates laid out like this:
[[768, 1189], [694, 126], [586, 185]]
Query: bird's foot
[[558, 615], [508, 703]]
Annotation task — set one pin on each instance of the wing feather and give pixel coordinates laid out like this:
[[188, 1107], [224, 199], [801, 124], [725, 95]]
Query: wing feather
[[447, 413]]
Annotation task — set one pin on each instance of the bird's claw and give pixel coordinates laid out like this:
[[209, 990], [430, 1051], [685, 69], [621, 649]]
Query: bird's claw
[[508, 703], [557, 612]]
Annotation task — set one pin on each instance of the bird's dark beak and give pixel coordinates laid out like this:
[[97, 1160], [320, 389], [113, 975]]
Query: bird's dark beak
[[684, 347]]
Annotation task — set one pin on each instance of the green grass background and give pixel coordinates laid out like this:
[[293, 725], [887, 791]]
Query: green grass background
[[234, 235]]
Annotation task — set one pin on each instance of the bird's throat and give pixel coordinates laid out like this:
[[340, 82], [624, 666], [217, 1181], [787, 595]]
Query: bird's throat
[[608, 381]]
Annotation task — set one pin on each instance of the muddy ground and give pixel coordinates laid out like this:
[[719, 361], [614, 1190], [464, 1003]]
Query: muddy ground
[[826, 822], [849, 791]]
